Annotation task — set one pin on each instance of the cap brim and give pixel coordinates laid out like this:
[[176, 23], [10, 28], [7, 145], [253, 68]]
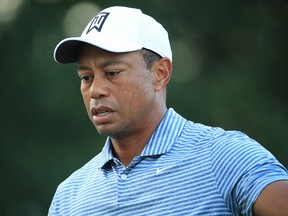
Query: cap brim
[[67, 50]]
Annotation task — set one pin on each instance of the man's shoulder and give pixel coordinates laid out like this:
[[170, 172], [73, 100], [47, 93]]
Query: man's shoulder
[[199, 133], [199, 136]]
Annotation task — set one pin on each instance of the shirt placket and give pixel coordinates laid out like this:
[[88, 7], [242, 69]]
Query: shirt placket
[[124, 181]]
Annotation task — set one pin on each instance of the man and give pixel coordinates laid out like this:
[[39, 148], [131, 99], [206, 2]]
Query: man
[[154, 161]]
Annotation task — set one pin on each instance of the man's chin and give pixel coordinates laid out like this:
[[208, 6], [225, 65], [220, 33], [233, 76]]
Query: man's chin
[[113, 132]]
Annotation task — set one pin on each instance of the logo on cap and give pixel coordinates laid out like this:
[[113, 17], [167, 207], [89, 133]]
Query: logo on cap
[[98, 22]]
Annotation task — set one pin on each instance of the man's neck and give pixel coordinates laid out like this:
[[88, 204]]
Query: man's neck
[[128, 147]]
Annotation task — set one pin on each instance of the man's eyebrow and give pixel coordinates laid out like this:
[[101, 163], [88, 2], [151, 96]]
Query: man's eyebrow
[[109, 63], [101, 65]]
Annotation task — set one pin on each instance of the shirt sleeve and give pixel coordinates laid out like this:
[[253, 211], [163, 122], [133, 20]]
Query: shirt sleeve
[[242, 169], [51, 210]]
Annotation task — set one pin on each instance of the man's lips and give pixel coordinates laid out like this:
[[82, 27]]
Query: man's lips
[[101, 114], [101, 110]]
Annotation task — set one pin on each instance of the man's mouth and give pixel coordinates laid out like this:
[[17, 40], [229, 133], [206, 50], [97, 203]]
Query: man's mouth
[[100, 111], [101, 114]]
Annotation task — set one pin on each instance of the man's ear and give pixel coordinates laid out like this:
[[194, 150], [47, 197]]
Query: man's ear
[[162, 70]]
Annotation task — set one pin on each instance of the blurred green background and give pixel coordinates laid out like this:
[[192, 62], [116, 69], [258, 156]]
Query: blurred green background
[[230, 70]]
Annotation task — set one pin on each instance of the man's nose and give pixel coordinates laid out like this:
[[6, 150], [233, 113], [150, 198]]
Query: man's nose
[[99, 88]]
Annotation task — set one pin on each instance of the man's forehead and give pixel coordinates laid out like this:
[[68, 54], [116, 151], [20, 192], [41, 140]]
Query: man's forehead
[[105, 58]]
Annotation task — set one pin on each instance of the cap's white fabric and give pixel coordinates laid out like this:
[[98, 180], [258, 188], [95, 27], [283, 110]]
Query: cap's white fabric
[[117, 29]]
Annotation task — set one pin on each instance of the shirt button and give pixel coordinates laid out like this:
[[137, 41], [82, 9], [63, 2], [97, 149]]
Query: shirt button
[[123, 176]]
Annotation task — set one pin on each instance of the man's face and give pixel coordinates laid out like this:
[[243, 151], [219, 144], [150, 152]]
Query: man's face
[[117, 90]]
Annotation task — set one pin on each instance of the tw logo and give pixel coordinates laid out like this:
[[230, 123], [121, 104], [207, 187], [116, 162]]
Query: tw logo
[[98, 22]]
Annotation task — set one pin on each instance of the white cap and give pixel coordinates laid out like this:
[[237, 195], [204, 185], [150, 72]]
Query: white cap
[[117, 29]]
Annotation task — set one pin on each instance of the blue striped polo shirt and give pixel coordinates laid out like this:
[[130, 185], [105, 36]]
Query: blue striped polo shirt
[[186, 168]]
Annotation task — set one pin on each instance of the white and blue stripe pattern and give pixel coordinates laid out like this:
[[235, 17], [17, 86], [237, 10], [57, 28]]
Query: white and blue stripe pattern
[[185, 169]]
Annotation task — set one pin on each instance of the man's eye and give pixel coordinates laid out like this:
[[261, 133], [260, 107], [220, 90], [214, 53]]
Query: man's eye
[[86, 78], [111, 74]]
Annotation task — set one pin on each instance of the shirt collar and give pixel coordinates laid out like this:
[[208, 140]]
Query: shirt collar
[[165, 134], [161, 141], [106, 153]]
